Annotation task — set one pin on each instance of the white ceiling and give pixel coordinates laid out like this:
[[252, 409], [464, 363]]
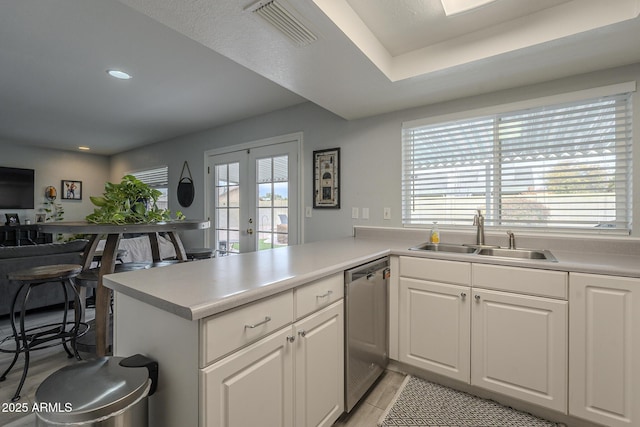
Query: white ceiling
[[198, 64], [54, 90], [423, 22]]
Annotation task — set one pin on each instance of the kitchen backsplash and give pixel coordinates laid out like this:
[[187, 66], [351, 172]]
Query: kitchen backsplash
[[611, 245]]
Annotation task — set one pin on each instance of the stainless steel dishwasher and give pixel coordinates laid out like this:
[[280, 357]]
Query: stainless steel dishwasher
[[366, 336]]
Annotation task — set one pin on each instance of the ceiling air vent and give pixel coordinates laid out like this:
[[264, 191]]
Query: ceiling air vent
[[284, 21]]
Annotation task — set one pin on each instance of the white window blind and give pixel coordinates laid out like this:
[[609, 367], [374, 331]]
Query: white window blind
[[565, 166], [156, 177]]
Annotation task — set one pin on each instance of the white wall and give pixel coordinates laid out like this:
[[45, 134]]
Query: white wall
[[370, 150], [51, 167]]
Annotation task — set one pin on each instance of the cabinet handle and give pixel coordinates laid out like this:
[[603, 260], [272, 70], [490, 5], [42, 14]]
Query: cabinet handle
[[302, 333], [255, 325], [463, 295], [291, 338], [324, 295], [477, 297]]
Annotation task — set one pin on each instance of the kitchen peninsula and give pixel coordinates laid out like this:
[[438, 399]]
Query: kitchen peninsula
[[175, 314]]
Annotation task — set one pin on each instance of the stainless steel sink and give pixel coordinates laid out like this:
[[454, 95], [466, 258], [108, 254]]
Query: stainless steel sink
[[474, 246], [537, 254], [486, 250], [444, 247]]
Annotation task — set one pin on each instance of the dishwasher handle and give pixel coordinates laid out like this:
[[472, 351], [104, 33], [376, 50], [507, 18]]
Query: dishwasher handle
[[368, 271], [386, 273]]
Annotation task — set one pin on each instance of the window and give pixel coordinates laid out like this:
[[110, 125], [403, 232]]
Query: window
[[157, 178], [562, 166]]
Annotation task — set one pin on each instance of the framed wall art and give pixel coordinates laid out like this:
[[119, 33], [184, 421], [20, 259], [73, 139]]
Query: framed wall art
[[71, 190], [12, 219], [326, 178]]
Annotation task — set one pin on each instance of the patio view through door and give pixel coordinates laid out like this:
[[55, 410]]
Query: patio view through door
[[254, 201]]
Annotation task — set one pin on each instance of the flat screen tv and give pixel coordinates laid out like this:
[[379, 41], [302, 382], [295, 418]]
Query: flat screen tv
[[16, 188]]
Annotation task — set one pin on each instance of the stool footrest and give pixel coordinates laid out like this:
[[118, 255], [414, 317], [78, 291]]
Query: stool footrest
[[35, 340]]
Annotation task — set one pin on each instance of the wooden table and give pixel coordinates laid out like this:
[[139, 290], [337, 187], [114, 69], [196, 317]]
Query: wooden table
[[114, 234]]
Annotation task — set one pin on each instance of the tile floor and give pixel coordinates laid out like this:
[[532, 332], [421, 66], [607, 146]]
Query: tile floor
[[369, 410]]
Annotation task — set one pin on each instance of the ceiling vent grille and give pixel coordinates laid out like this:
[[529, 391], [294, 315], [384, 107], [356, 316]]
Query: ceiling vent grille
[[284, 21]]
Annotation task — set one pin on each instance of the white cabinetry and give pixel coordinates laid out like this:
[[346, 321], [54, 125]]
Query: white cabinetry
[[278, 361], [251, 387], [291, 377], [435, 316], [455, 319], [519, 347], [319, 368], [604, 348]]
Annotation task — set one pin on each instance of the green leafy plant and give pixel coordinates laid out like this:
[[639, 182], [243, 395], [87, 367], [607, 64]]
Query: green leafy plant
[[129, 202], [53, 210]]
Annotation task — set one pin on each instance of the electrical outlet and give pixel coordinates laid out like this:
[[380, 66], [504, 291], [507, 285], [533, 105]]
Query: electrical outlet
[[354, 213], [365, 213], [307, 212], [387, 213]]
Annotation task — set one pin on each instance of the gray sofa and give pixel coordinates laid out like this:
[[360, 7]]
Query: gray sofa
[[20, 257]]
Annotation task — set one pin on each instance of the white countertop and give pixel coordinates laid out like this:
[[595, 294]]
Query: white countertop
[[198, 289]]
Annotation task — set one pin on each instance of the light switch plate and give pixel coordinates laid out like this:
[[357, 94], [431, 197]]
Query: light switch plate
[[387, 213], [365, 213], [354, 213], [307, 212]]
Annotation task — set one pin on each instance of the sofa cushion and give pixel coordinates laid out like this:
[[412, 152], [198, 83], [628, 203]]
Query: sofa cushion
[[45, 249]]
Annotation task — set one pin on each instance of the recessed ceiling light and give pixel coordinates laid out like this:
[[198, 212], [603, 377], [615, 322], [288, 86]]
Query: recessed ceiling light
[[119, 74], [453, 7], [83, 148]]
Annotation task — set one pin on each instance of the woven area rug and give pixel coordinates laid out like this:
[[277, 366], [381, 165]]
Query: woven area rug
[[426, 404]]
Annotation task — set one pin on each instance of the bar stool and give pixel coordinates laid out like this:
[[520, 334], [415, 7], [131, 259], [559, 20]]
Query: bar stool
[[88, 279], [198, 253], [36, 338], [120, 255]]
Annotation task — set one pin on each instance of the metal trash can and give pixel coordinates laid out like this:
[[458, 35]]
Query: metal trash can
[[107, 392]]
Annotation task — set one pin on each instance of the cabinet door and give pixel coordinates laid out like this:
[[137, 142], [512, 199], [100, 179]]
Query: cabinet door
[[252, 387], [434, 327], [519, 347], [604, 325], [319, 372]]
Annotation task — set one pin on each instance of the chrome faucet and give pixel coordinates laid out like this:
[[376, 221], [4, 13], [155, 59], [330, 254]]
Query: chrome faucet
[[512, 239], [478, 221]]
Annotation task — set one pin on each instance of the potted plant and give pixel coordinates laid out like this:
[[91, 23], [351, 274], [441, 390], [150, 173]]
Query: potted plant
[[54, 211], [129, 202]]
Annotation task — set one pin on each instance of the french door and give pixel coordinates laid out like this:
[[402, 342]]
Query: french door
[[254, 204]]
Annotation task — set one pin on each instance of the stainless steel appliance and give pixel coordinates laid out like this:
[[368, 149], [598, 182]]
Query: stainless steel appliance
[[366, 336]]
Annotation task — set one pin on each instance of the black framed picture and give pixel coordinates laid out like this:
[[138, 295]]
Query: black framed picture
[[12, 219], [71, 190], [326, 178]]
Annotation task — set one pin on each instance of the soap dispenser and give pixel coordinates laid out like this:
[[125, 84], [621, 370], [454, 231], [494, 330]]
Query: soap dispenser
[[434, 237]]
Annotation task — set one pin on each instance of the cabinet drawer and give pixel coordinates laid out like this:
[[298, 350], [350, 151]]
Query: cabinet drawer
[[457, 273], [531, 281], [226, 332], [318, 294]]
